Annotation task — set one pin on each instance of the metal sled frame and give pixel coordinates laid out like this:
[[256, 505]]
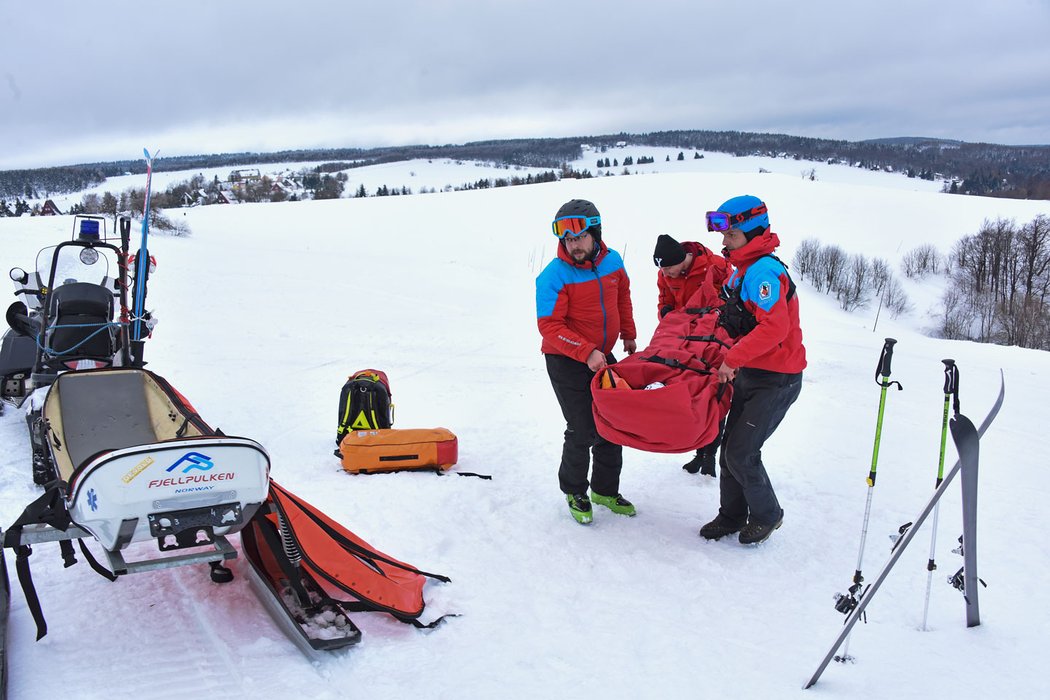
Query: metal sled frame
[[218, 551]]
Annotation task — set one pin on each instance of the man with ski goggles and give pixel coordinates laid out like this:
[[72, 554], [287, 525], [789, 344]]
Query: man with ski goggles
[[583, 305], [722, 221], [765, 366]]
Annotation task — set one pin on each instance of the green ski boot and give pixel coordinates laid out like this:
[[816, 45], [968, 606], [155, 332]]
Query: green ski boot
[[580, 507], [617, 504]]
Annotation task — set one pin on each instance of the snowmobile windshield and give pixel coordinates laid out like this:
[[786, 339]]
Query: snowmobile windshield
[[73, 263]]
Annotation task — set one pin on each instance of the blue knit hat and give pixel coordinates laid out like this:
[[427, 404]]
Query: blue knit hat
[[752, 226]]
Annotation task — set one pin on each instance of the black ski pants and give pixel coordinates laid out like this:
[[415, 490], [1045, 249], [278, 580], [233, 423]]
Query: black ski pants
[[760, 401], [572, 385]]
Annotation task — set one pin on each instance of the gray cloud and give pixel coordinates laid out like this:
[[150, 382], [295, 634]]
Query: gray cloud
[[105, 79]]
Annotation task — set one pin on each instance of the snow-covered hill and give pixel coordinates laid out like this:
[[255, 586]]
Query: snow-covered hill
[[265, 309], [420, 175]]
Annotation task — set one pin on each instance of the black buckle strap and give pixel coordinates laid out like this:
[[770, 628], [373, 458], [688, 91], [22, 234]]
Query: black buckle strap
[[676, 364]]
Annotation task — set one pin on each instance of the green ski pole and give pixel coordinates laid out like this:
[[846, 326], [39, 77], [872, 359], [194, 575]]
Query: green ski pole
[[846, 602], [951, 389]]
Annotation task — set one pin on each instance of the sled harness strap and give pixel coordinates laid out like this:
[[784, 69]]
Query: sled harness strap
[[676, 364]]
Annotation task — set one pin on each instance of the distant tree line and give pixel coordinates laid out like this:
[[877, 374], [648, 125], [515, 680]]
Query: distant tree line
[[1000, 285], [854, 280], [998, 282], [972, 168]]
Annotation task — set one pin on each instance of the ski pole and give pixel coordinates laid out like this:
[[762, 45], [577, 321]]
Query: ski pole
[[951, 389], [845, 603]]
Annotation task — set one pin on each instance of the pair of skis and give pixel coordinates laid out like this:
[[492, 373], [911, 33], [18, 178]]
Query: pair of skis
[[966, 438]]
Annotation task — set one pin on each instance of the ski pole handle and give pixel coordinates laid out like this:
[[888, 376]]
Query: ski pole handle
[[885, 359], [951, 374], [951, 383]]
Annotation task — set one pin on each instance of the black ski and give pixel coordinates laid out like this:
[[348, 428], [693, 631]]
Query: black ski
[[966, 443]]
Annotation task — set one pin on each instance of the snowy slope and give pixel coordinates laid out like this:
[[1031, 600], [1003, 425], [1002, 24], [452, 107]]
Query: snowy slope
[[266, 308]]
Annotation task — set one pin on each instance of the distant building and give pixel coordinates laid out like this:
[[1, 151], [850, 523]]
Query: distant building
[[50, 209], [227, 197], [245, 175]]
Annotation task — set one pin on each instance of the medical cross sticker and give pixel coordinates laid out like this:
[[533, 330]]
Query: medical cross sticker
[[92, 499], [765, 290]]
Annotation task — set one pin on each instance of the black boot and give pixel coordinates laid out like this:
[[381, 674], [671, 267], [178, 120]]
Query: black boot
[[703, 462]]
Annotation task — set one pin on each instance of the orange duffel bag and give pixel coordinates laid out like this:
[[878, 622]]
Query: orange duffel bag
[[397, 449]]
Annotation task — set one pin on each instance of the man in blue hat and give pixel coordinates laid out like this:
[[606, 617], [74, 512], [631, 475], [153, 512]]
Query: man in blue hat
[[765, 365]]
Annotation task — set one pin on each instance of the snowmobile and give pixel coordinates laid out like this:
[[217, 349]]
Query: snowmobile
[[122, 455], [125, 458], [65, 318]]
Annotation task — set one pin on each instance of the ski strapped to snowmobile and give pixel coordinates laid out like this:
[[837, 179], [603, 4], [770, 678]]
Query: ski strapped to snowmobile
[[967, 442], [303, 564], [135, 462]]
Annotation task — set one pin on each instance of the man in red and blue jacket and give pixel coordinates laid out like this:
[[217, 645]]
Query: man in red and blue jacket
[[583, 306], [765, 365]]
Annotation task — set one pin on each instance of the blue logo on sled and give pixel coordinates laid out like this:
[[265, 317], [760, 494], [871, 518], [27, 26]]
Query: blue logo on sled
[[92, 500], [193, 460]]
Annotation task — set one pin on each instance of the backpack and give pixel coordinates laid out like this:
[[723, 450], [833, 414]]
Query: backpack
[[734, 316], [364, 403]]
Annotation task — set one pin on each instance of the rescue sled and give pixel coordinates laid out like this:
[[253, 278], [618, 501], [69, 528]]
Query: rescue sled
[[312, 573], [666, 398], [135, 462]]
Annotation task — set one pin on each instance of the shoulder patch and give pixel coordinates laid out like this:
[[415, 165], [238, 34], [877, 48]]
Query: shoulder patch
[[765, 290]]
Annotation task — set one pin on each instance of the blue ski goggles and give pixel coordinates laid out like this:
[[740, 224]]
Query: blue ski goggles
[[721, 221]]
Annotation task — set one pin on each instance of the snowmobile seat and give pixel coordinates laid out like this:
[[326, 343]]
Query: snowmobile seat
[[91, 412], [82, 314]]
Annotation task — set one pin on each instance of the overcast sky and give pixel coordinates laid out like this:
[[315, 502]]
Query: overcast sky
[[83, 81]]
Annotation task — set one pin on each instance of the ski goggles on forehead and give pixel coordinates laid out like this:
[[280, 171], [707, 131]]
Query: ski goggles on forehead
[[574, 226], [721, 221]]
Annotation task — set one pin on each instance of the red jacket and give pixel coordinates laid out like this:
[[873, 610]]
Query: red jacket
[[708, 271], [775, 343], [581, 307]]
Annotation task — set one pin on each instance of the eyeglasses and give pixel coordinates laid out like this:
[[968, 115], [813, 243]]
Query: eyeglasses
[[721, 221], [574, 226]]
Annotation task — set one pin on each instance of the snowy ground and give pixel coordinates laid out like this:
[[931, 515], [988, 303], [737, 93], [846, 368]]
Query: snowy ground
[[265, 309]]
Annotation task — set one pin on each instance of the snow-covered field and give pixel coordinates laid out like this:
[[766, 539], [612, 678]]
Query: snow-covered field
[[265, 309], [436, 174]]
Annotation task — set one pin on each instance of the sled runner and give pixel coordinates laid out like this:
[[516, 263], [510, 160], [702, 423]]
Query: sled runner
[[666, 398]]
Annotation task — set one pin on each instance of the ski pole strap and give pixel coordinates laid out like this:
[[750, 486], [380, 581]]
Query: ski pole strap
[[883, 368]]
